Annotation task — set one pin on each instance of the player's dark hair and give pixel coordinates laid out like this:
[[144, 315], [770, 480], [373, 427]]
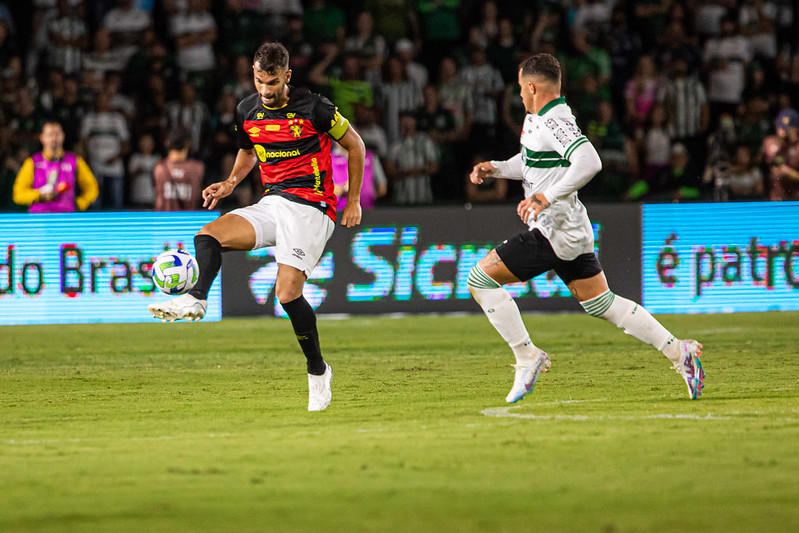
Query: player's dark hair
[[545, 65], [271, 57]]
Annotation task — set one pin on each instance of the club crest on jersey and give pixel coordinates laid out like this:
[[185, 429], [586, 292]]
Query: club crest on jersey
[[295, 126]]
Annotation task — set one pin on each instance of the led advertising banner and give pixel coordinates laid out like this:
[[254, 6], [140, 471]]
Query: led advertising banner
[[416, 260], [721, 258], [89, 267]]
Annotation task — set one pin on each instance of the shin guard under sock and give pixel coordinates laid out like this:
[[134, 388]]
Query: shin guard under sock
[[303, 319], [208, 253]]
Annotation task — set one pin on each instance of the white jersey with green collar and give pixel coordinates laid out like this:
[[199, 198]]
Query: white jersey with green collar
[[556, 159]]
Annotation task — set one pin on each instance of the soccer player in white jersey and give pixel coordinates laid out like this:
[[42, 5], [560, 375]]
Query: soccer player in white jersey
[[555, 161]]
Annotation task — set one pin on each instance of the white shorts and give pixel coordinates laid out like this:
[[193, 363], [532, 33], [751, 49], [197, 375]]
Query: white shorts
[[299, 232]]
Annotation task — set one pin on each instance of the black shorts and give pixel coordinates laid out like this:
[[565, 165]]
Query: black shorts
[[529, 254]]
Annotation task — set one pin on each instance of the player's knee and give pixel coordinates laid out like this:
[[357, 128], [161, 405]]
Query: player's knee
[[478, 279], [599, 305]]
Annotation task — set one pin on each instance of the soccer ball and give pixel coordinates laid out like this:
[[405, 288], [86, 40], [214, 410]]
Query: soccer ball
[[175, 272]]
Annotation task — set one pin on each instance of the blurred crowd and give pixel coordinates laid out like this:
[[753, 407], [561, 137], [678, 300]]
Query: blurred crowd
[[683, 99]]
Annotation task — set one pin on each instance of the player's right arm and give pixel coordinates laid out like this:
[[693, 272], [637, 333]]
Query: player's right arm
[[245, 161], [510, 169]]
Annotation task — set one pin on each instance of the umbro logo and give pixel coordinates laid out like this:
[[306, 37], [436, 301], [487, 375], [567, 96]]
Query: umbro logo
[[298, 252]]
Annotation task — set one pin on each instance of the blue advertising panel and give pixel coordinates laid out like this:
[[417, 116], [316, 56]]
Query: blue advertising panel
[[89, 267], [720, 258], [417, 260]]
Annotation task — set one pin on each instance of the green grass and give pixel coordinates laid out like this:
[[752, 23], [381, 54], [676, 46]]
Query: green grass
[[203, 427]]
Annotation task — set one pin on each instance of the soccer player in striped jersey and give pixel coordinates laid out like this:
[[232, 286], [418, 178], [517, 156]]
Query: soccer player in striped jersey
[[287, 131], [555, 161]]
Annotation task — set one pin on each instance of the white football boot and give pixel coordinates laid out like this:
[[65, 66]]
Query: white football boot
[[185, 306], [526, 376], [690, 368], [319, 393]]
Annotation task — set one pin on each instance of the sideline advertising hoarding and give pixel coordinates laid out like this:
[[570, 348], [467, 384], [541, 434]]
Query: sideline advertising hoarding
[[416, 260], [721, 258], [89, 267]]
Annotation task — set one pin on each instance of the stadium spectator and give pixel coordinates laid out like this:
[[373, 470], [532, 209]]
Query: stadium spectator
[[398, 93], [323, 22], [486, 85], [439, 124], [372, 133], [126, 23], [275, 14], [194, 31], [455, 97], [239, 27], [406, 52], [757, 20], [178, 180], [745, 177], [189, 112], [105, 137], [436, 24], [726, 58], [347, 86], [140, 169], [101, 60], [559, 236], [411, 162], [300, 50], [26, 121], [781, 155], [503, 52], [685, 101], [370, 47], [640, 93], [68, 37], [53, 180], [298, 220]]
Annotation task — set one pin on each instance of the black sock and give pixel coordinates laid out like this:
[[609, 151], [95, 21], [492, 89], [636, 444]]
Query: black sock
[[208, 252], [303, 319]]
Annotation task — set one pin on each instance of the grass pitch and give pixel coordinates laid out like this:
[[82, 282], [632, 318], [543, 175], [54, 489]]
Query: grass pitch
[[203, 427]]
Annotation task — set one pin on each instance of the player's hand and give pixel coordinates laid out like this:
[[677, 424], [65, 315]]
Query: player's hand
[[215, 192], [532, 205], [482, 171], [352, 214]]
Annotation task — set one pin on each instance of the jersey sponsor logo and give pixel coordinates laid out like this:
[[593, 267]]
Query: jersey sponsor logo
[[264, 156], [254, 130], [291, 115], [317, 186], [259, 115], [272, 127]]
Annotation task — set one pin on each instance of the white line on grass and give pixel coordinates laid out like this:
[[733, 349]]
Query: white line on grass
[[505, 412], [96, 439]]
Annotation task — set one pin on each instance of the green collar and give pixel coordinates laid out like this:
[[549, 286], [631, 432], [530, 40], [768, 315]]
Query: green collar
[[551, 104]]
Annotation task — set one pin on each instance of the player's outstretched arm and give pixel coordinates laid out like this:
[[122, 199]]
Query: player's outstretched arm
[[481, 171], [245, 160], [356, 154]]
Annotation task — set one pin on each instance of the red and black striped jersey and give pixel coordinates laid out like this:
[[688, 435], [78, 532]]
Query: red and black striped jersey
[[292, 144]]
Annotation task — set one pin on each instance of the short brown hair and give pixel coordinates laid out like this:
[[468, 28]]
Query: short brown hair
[[545, 65], [271, 57]]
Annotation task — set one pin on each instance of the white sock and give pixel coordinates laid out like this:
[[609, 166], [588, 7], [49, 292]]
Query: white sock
[[503, 314], [634, 320]]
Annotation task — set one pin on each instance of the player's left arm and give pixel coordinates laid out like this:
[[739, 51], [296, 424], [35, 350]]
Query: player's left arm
[[356, 155]]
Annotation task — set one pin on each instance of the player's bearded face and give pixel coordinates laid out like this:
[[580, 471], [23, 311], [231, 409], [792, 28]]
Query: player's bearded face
[[271, 86]]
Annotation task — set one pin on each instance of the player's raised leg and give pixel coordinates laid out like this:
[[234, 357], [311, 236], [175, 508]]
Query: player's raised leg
[[485, 283], [599, 301], [288, 288], [228, 232]]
